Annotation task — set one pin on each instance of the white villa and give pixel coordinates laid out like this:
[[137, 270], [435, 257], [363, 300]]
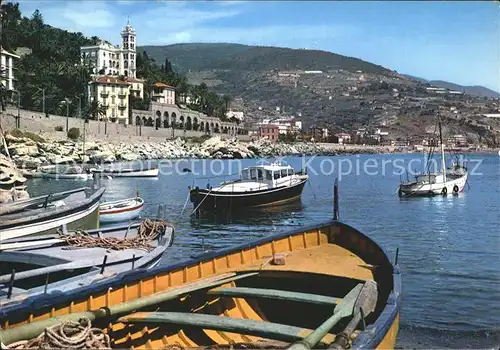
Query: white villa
[[107, 59], [7, 66]]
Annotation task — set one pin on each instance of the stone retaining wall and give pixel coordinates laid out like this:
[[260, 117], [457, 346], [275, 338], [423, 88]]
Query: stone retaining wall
[[38, 123]]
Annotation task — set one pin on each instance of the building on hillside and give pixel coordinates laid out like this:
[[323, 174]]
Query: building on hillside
[[136, 87], [163, 93], [318, 133], [7, 69], [343, 138], [238, 116], [457, 141], [269, 131], [107, 59], [112, 93], [286, 125]]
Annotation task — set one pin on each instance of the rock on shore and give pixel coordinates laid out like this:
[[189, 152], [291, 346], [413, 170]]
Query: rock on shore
[[30, 154]]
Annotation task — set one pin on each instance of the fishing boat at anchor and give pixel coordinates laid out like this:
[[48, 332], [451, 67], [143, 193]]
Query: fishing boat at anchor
[[41, 264], [451, 180], [324, 285], [258, 186], [77, 208], [120, 210], [126, 172]]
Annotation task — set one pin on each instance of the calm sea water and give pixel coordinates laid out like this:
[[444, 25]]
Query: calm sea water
[[449, 247]]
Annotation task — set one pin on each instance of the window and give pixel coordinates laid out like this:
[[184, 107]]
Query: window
[[290, 171], [276, 175], [283, 172], [121, 112], [269, 175], [253, 174], [132, 46], [245, 174], [132, 56], [260, 174], [112, 100], [125, 55], [132, 39], [112, 88]]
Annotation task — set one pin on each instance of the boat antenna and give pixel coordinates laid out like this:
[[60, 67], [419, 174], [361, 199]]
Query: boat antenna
[[443, 162]]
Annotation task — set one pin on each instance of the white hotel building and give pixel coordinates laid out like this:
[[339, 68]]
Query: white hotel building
[[7, 69], [113, 60]]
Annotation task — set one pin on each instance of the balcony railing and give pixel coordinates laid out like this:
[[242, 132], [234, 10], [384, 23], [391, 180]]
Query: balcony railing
[[104, 94], [122, 106], [122, 95], [105, 104]]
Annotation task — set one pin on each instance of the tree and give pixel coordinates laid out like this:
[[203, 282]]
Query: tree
[[95, 110]]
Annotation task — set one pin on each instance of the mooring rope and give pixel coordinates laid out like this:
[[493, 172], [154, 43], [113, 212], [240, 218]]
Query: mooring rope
[[67, 335], [149, 230]]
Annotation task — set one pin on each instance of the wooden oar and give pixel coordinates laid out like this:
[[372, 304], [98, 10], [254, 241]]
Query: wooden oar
[[365, 305], [344, 309], [31, 330]]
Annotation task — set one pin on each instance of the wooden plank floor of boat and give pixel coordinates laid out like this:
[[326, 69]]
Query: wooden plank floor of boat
[[327, 259]]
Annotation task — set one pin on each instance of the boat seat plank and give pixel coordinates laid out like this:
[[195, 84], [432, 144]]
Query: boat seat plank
[[262, 329], [275, 294]]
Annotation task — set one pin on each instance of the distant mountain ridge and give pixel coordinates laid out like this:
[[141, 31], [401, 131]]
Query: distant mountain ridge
[[474, 90], [208, 56]]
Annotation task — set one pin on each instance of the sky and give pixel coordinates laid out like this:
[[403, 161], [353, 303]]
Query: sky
[[439, 40]]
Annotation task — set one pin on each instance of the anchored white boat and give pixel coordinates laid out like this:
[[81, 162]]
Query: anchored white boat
[[120, 210], [127, 172], [450, 180]]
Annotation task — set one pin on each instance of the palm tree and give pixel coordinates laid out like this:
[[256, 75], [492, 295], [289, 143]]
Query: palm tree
[[95, 110]]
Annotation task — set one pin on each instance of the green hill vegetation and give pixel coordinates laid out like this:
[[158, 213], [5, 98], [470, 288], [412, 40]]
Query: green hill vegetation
[[51, 67], [203, 56]]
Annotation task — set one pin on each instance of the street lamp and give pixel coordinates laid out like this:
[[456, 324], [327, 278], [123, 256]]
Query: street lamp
[[43, 99], [67, 103]]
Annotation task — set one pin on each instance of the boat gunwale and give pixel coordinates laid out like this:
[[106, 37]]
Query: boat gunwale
[[366, 339]]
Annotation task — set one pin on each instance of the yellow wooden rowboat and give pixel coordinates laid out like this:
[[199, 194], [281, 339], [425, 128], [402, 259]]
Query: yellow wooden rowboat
[[327, 285]]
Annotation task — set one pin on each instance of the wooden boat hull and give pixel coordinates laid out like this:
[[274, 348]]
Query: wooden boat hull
[[39, 256], [154, 172], [62, 176], [204, 199], [84, 215], [110, 212], [234, 296]]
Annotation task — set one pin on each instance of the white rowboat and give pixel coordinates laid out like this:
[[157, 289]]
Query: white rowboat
[[120, 210]]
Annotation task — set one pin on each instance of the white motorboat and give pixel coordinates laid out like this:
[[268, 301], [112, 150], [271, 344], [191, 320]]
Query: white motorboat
[[450, 180], [120, 210]]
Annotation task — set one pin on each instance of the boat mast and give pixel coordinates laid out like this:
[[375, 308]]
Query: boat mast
[[443, 162]]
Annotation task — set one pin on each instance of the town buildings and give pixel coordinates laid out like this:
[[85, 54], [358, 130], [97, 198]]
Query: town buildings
[[7, 60], [112, 94], [269, 131], [286, 125]]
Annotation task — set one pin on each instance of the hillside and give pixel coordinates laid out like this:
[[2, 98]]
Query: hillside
[[347, 94], [479, 91], [202, 56]]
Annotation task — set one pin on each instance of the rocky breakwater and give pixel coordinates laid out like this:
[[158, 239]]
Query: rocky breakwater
[[30, 153], [11, 181]]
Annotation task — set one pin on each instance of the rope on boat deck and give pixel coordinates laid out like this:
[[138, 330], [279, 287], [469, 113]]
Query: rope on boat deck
[[69, 334], [149, 230]]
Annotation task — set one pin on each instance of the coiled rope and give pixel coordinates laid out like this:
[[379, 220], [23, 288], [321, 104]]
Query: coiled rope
[[68, 335], [149, 230]]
